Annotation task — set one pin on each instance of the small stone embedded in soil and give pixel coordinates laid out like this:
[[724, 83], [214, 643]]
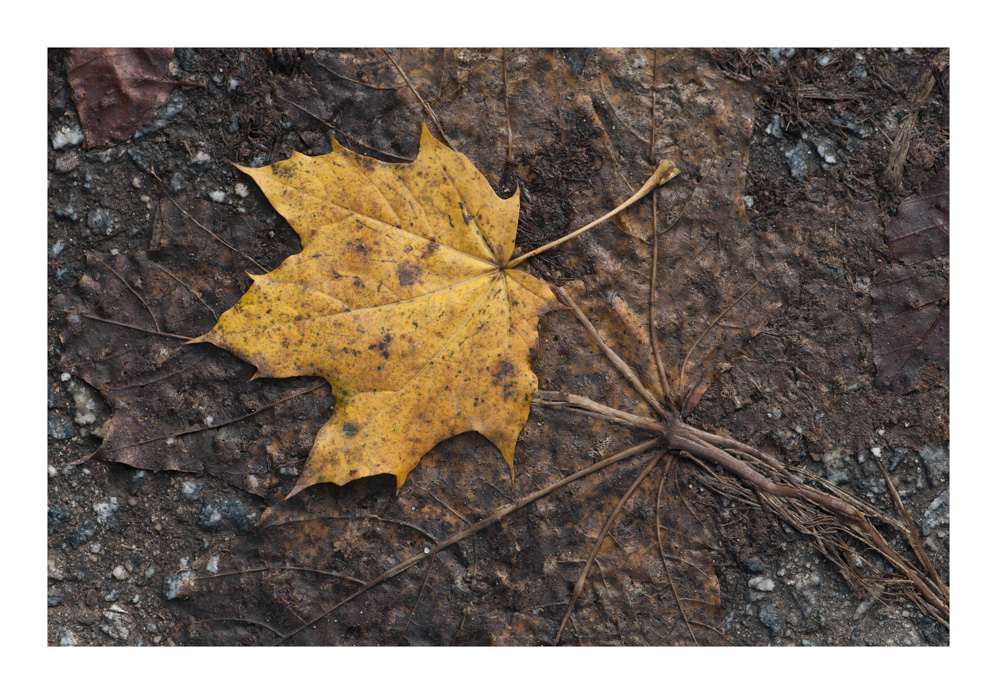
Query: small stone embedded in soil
[[105, 510], [86, 406], [797, 158], [753, 564], [120, 572], [82, 534], [936, 460], [768, 615], [67, 135], [57, 517], [936, 516], [191, 490], [215, 510], [59, 428], [761, 583], [68, 210], [116, 624], [171, 584], [99, 221], [775, 127], [218, 196], [67, 162]]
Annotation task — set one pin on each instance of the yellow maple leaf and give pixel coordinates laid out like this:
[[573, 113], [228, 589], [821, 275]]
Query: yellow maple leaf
[[402, 298]]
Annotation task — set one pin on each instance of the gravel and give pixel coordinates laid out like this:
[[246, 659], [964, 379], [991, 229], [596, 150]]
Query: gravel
[[216, 510], [60, 429]]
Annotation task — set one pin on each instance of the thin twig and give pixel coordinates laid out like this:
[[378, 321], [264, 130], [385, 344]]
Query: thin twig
[[666, 390], [597, 545], [580, 402], [422, 101], [198, 430], [411, 614], [162, 189], [613, 357], [915, 540], [669, 466], [508, 116], [122, 325], [685, 362], [285, 567], [132, 290]]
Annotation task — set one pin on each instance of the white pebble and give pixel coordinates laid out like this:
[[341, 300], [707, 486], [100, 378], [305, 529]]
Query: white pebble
[[120, 572], [65, 377], [218, 196], [759, 583], [241, 190], [877, 451], [67, 135]]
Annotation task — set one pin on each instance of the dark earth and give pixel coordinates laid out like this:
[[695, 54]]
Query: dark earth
[[833, 142]]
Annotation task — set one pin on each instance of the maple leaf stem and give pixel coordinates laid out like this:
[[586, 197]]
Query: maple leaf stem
[[665, 172]]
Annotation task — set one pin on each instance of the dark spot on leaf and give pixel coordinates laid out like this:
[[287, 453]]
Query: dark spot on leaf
[[408, 273], [350, 430], [430, 249], [382, 346], [465, 214]]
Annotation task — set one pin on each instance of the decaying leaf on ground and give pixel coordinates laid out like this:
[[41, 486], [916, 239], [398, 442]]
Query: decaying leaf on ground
[[117, 90], [911, 336]]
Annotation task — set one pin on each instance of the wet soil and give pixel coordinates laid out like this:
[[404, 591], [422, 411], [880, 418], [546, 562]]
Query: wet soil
[[803, 389]]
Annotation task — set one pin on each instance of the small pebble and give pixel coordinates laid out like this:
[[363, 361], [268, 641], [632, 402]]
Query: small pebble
[[241, 190], [120, 572], [762, 584], [67, 162], [218, 196], [67, 135]]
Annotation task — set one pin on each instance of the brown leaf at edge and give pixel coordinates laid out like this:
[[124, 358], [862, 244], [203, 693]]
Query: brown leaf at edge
[[116, 90]]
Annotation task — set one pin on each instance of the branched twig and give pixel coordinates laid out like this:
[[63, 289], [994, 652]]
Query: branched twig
[[613, 357], [661, 548], [597, 545], [499, 515]]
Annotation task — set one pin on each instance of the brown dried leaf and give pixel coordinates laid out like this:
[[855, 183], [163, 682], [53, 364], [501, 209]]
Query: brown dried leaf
[[920, 231], [910, 338], [912, 329], [116, 90]]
